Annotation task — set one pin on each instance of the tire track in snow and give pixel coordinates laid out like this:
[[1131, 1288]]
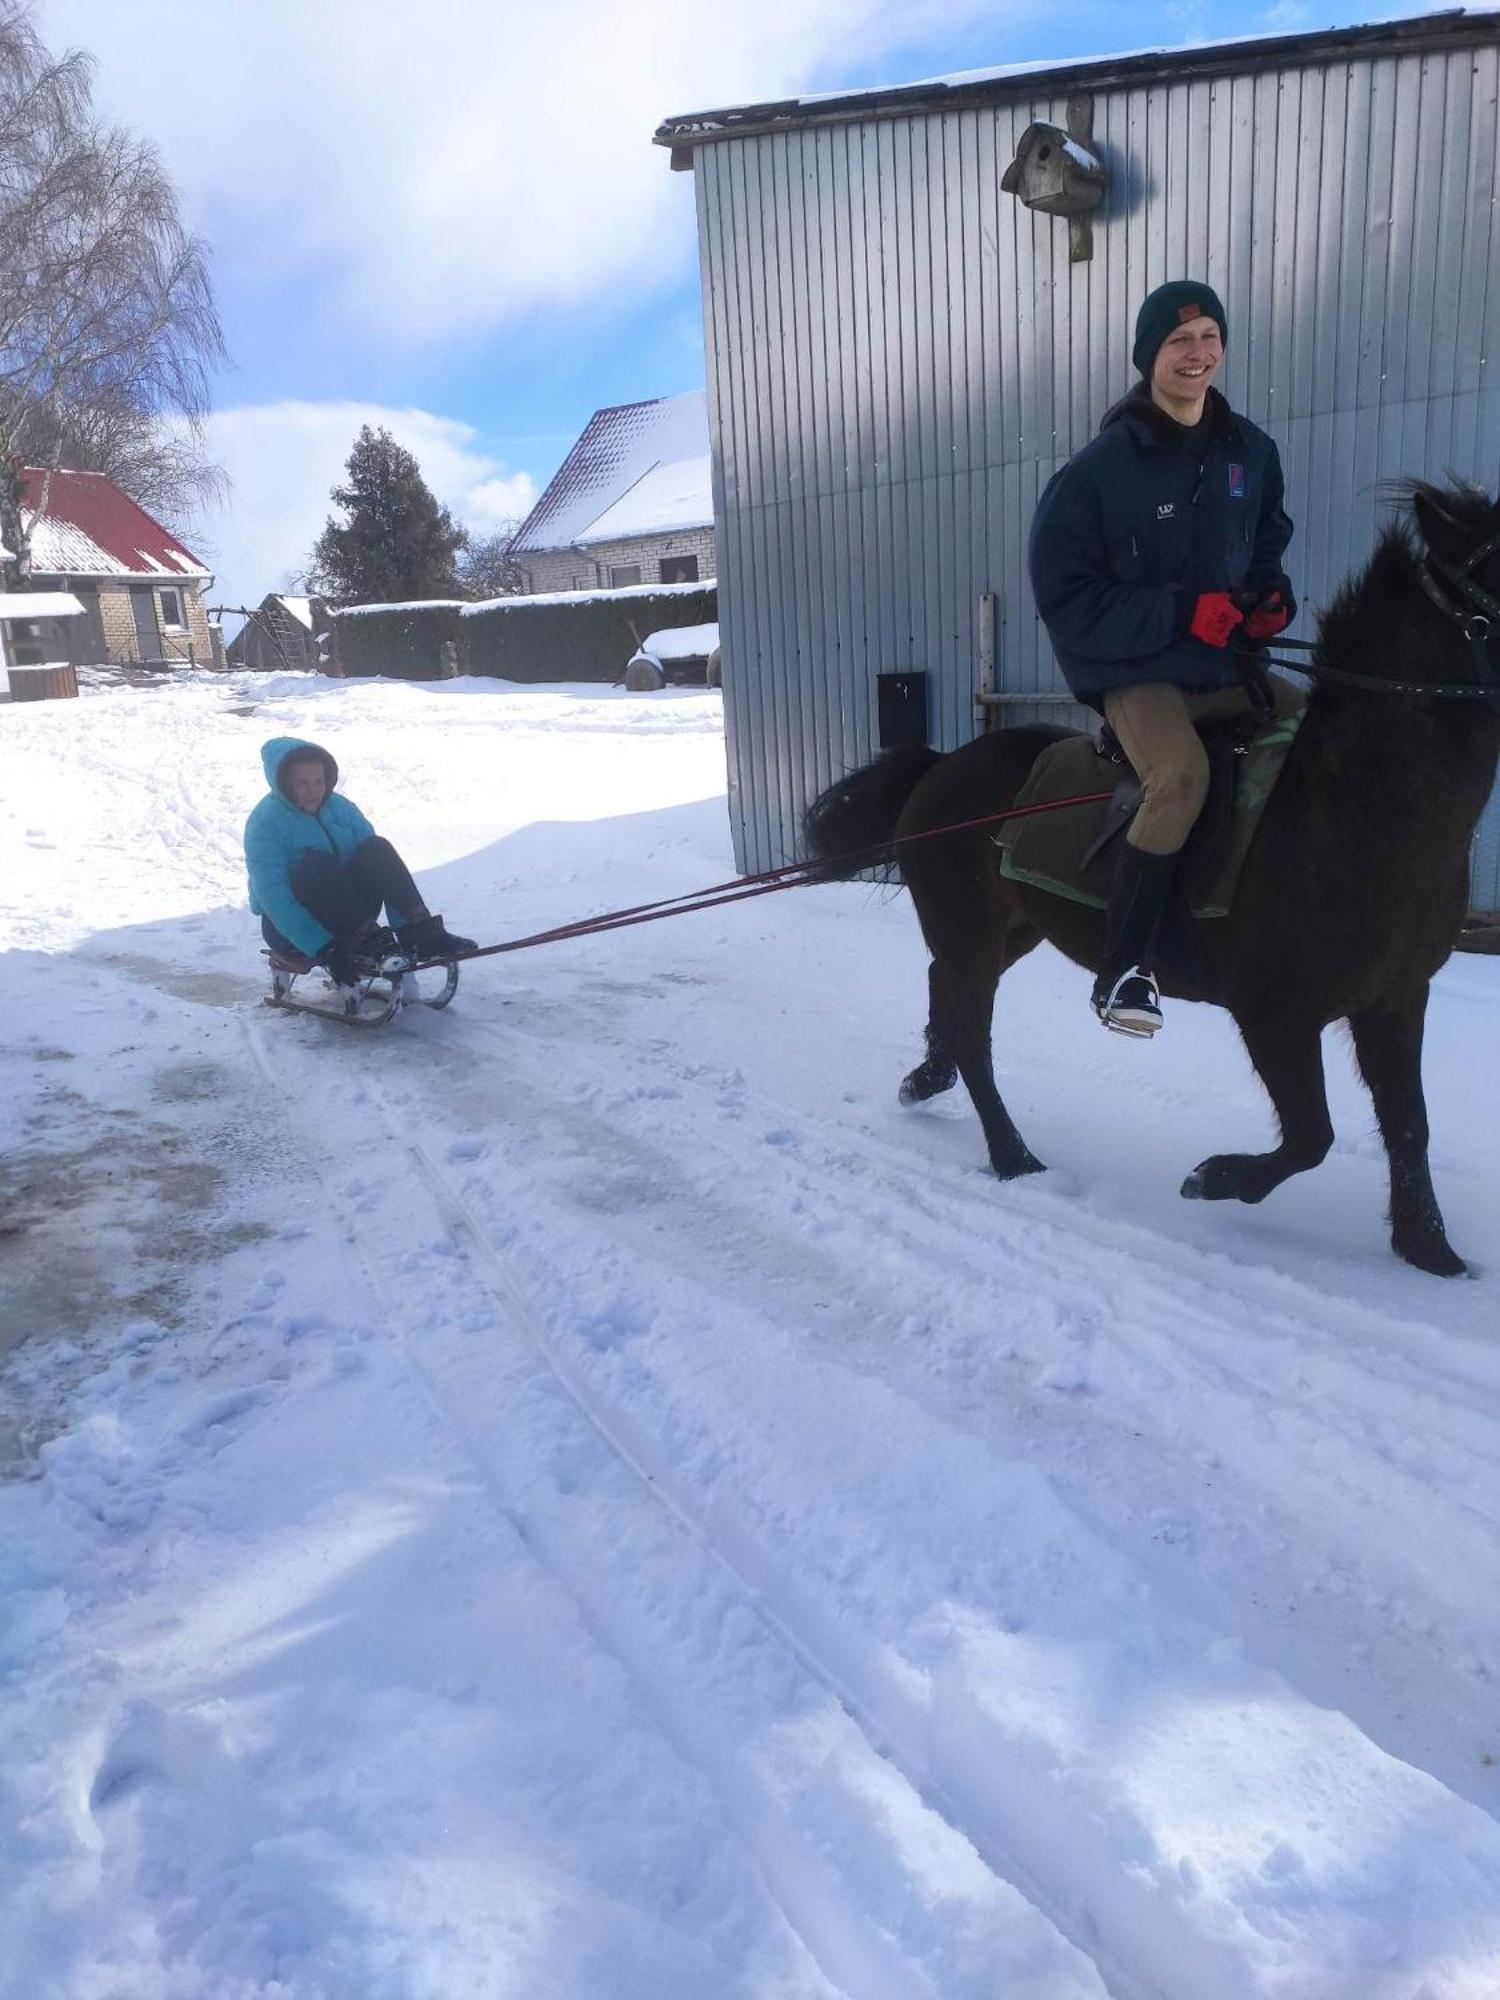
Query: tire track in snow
[[850, 1944]]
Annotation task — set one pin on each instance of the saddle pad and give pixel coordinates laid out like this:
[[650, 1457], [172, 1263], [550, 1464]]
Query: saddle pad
[[1062, 852]]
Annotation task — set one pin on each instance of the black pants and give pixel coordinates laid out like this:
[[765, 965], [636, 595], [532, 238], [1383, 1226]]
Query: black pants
[[345, 894]]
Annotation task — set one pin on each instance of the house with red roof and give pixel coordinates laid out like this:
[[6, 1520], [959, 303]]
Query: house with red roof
[[141, 589]]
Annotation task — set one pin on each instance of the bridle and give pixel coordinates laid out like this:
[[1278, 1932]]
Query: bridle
[[1476, 613]]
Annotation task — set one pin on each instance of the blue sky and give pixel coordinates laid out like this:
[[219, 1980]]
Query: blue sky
[[452, 220]]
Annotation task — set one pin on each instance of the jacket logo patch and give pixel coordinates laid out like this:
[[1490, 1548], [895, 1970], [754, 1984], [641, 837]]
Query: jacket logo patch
[[1236, 482], [1166, 509]]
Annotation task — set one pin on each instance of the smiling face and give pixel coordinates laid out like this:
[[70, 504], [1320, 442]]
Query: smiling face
[[305, 782], [1186, 363]]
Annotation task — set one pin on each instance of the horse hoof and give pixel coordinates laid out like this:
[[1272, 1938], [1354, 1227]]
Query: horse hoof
[[925, 1082], [1013, 1170], [1438, 1258], [1226, 1177]]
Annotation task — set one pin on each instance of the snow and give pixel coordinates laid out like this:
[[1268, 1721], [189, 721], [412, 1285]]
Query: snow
[[681, 642], [39, 604], [1081, 155], [625, 594], [468, 608], [410, 604], [668, 498], [619, 447], [581, 1496]]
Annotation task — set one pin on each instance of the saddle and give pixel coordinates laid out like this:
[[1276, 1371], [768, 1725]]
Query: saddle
[[1071, 853]]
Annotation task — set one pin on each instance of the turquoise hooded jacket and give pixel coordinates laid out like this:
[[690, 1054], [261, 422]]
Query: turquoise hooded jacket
[[277, 833]]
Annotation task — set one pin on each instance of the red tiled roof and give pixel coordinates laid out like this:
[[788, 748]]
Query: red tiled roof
[[91, 528]]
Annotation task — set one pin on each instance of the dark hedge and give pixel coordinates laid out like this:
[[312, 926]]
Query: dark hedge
[[589, 639], [405, 643], [584, 638]]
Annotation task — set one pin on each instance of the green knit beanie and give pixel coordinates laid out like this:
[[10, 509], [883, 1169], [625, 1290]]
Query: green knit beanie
[[1169, 307]]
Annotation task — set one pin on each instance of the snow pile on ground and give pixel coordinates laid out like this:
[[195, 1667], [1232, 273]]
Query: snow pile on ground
[[581, 1496]]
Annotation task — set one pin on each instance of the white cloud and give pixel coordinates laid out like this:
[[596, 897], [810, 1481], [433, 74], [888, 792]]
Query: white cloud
[[431, 172], [284, 458]]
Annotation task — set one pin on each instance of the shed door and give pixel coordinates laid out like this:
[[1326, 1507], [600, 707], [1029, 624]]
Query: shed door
[[147, 635]]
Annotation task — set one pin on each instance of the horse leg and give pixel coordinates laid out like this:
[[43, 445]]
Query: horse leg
[[1287, 1052], [938, 1071], [1388, 1044], [966, 980]]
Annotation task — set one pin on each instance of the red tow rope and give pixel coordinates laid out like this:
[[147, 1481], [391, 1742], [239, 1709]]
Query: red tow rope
[[794, 875]]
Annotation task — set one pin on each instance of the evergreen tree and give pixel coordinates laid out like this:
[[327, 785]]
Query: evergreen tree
[[397, 544]]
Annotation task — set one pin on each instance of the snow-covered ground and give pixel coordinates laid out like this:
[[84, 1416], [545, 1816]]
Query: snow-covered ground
[[581, 1496]]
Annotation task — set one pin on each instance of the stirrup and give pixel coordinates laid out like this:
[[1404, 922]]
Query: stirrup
[[1132, 1005]]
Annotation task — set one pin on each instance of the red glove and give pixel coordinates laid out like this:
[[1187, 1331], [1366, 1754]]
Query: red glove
[[1271, 615], [1215, 616]]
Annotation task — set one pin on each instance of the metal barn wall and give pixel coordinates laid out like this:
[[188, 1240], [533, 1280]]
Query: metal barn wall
[[900, 355]]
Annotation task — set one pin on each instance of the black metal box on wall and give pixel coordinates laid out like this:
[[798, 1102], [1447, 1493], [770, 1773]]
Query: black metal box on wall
[[902, 709]]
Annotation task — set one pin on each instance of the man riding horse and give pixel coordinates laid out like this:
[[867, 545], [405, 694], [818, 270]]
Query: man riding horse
[[1155, 544]]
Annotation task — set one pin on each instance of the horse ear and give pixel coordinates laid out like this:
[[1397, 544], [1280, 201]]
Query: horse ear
[[1440, 529]]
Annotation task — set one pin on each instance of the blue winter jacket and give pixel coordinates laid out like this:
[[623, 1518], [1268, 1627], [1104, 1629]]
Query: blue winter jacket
[[1133, 530], [277, 832]]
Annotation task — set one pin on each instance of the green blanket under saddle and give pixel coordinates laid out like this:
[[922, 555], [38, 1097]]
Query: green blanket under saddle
[[1062, 851]]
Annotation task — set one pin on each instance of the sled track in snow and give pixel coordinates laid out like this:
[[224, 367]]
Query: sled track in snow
[[1356, 1434], [538, 1119], [862, 1965]]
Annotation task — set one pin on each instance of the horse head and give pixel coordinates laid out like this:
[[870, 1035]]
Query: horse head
[[1460, 570]]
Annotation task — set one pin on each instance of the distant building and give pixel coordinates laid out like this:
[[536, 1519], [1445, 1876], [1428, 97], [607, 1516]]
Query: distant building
[[140, 588], [281, 633], [632, 503]]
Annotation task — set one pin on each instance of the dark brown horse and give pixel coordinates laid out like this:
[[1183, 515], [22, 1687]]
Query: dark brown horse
[[1353, 893]]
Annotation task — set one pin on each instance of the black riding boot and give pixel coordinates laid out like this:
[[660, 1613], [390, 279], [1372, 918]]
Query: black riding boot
[[1125, 996]]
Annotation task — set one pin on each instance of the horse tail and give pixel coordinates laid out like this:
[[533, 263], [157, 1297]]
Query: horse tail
[[857, 815]]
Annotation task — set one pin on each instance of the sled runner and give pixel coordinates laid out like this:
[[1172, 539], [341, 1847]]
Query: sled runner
[[388, 985]]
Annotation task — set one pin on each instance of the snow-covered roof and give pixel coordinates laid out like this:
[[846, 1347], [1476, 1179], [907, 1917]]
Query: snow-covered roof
[[18, 604], [299, 607], [91, 528], [1459, 26], [673, 495], [682, 642], [620, 448]]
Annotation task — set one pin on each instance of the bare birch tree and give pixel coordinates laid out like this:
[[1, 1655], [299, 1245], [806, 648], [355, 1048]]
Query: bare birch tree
[[107, 325]]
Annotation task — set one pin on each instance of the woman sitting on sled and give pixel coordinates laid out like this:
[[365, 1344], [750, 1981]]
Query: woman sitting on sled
[[319, 873]]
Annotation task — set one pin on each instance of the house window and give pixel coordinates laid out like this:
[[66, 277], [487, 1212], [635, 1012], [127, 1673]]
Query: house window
[[622, 575], [171, 611], [679, 569]]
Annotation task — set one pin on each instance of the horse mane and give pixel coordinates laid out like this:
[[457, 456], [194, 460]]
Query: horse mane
[[1369, 607]]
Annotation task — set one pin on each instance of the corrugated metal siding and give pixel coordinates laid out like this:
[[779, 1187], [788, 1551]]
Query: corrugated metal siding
[[900, 356]]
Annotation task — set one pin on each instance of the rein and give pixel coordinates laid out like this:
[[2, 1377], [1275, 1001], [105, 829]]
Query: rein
[[794, 875], [1479, 623]]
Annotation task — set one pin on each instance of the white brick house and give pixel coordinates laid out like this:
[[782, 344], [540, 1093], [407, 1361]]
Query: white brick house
[[141, 589], [632, 503]]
